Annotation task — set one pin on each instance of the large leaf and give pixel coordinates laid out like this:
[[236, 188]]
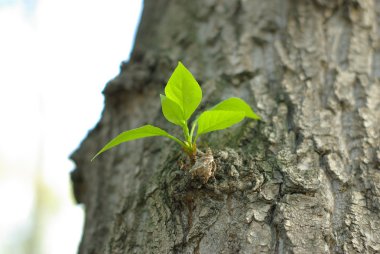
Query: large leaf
[[183, 89], [213, 120], [236, 104], [172, 111], [141, 132]]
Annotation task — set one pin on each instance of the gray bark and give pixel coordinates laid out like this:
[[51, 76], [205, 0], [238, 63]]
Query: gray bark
[[304, 180]]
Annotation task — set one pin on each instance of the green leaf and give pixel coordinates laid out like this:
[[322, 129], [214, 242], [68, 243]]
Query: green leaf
[[183, 89], [172, 111], [236, 104], [213, 120], [141, 132]]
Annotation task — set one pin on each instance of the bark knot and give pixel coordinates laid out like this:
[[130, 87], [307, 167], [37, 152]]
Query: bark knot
[[204, 166]]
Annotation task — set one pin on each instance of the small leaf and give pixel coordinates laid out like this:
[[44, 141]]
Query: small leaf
[[213, 120], [172, 111], [141, 132], [183, 89], [236, 104]]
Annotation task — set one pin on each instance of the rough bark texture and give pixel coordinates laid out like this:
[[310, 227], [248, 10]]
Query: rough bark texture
[[304, 180]]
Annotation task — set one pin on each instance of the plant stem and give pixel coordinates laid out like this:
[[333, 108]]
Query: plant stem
[[192, 130], [186, 133], [177, 140]]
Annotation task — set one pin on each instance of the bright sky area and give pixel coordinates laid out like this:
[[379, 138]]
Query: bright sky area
[[55, 58]]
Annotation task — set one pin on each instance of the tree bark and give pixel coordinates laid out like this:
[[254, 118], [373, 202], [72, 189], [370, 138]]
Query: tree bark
[[306, 179]]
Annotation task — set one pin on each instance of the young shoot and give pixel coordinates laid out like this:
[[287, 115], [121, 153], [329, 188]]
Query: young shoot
[[182, 97]]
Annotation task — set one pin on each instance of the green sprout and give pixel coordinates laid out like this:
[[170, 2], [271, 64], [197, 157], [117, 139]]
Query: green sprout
[[182, 97]]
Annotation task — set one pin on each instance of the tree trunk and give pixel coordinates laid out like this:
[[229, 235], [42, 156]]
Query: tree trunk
[[306, 179]]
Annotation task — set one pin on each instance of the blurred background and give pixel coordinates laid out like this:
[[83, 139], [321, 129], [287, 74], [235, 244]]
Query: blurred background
[[55, 58]]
